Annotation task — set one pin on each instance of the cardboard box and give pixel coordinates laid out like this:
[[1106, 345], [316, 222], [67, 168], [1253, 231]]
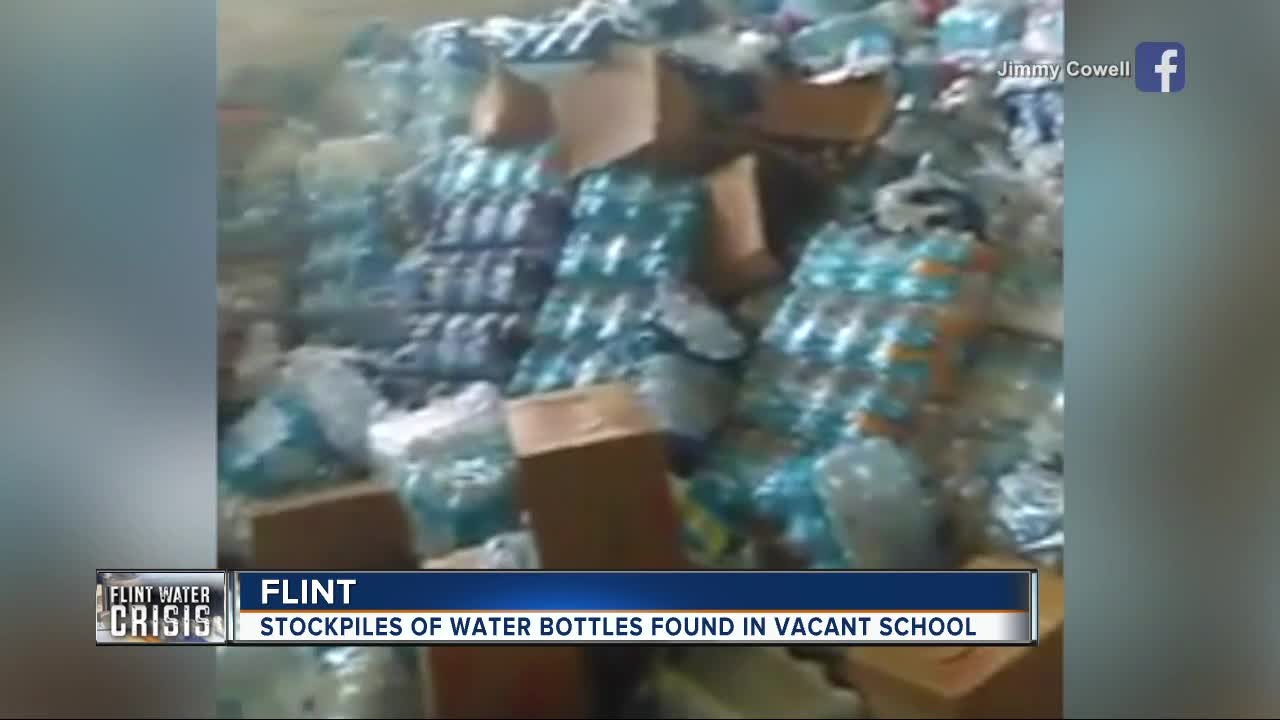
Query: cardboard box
[[631, 101], [970, 682], [852, 110], [511, 111], [502, 682], [593, 477], [739, 259], [357, 527]]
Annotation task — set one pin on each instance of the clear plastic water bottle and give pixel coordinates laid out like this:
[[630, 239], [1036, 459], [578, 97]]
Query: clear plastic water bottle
[[877, 506], [1045, 36], [690, 399], [697, 325], [1014, 379]]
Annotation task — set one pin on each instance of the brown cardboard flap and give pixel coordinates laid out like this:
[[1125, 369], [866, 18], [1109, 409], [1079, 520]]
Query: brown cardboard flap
[[963, 682], [854, 110], [578, 417], [507, 682], [739, 259], [511, 110], [632, 100], [357, 527], [593, 478]]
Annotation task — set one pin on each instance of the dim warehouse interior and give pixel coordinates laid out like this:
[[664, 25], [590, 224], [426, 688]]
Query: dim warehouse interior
[[802, 259]]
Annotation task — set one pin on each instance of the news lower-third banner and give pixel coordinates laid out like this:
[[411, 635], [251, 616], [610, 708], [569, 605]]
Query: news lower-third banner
[[971, 607], [159, 607]]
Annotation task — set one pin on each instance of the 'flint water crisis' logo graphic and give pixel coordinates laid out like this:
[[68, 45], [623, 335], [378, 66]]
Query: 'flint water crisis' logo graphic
[[1160, 67]]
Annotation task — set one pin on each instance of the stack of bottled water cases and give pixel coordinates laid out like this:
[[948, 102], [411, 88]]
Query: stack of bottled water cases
[[484, 229], [629, 236], [998, 451], [875, 324], [344, 279], [623, 308]]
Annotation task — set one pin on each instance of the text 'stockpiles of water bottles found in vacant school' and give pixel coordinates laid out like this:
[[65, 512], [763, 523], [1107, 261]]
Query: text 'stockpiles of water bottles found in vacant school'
[[818, 242]]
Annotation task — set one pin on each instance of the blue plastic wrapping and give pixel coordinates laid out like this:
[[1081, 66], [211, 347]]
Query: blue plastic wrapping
[[1026, 514], [698, 326], [838, 328], [497, 279], [978, 31], [553, 364], [481, 219], [822, 403], [624, 255], [566, 41], [303, 432], [833, 43], [632, 185], [814, 10], [689, 399], [278, 446], [453, 465], [841, 255], [463, 166], [595, 311]]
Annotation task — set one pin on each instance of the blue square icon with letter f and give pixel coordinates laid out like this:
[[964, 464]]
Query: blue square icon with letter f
[[1160, 67]]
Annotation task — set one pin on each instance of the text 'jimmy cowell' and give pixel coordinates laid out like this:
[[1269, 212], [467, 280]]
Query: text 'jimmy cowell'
[[1054, 71]]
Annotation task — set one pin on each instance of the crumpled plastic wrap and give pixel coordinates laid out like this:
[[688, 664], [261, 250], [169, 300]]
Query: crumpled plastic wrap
[[927, 200], [1046, 437], [332, 682], [511, 551], [337, 393], [345, 168], [979, 32], [305, 431], [1026, 511], [861, 43], [276, 447], [453, 465], [1014, 379], [878, 506], [700, 328], [690, 399]]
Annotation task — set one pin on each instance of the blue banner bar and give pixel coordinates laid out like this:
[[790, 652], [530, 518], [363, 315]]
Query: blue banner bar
[[494, 591]]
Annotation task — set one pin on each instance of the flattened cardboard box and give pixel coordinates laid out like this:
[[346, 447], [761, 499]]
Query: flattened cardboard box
[[631, 101], [511, 110], [593, 477], [970, 682], [502, 682], [357, 527], [854, 110]]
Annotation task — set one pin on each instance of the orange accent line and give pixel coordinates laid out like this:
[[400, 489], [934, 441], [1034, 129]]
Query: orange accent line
[[639, 612]]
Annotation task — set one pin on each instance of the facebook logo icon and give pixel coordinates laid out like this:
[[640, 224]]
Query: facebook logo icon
[[1160, 67]]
